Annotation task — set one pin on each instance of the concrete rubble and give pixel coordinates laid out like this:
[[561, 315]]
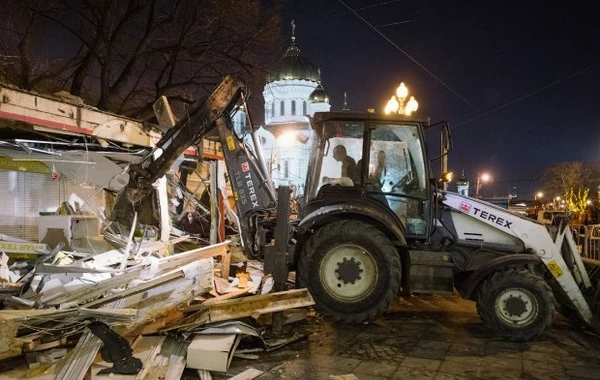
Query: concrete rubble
[[138, 311]]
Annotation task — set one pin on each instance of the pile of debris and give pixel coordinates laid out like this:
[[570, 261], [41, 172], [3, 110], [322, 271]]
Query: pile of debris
[[150, 313]]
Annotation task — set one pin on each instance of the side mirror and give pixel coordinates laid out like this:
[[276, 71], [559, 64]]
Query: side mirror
[[446, 145]]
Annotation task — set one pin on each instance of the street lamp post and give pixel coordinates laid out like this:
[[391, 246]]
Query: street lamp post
[[397, 105], [481, 179]]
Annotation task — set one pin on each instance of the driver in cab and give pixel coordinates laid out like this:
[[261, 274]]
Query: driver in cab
[[348, 168]]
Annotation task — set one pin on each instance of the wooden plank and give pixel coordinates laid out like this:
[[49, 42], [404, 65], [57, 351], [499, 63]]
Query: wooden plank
[[37, 346], [222, 297], [248, 374], [245, 307], [31, 315], [18, 315], [192, 255], [225, 262]]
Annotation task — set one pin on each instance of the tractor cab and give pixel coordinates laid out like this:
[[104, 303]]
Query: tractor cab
[[375, 162]]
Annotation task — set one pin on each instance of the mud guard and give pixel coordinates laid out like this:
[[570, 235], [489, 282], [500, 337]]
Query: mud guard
[[345, 211], [468, 288]]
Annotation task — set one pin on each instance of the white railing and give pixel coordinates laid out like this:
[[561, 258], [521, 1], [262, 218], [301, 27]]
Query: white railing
[[587, 239]]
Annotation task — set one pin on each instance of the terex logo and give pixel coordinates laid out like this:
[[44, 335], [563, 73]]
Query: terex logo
[[245, 166], [486, 215], [465, 207]]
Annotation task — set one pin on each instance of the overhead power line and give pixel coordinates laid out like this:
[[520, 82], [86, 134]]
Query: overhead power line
[[410, 57], [346, 12], [396, 23], [543, 88]]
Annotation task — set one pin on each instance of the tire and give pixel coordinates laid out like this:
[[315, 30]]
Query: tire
[[516, 303], [351, 269]]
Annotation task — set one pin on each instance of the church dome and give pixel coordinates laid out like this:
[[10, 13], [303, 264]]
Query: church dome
[[293, 65], [319, 95]]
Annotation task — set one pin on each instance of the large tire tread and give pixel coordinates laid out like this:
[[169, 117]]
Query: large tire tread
[[332, 230], [515, 276]]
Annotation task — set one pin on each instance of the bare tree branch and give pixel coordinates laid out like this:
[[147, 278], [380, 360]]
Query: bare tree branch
[[122, 55]]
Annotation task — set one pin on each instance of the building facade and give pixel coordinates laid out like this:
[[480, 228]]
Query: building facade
[[292, 94]]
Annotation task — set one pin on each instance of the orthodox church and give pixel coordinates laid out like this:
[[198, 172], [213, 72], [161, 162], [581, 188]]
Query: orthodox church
[[292, 94]]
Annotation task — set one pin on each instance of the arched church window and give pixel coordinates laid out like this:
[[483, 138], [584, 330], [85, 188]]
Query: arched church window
[[282, 108], [293, 107]]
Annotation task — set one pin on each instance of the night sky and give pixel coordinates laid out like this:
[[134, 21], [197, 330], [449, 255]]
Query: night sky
[[518, 81]]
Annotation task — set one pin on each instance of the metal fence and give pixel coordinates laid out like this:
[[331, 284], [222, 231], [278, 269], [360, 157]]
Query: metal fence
[[587, 239]]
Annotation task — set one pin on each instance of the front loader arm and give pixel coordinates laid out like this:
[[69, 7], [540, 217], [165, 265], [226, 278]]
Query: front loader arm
[[536, 239]]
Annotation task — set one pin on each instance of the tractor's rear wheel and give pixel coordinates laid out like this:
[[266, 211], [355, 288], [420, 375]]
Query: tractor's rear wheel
[[351, 269], [516, 303]]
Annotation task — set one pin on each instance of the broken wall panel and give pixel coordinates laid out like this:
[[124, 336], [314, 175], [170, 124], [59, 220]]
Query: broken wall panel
[[26, 195], [158, 301], [74, 118]]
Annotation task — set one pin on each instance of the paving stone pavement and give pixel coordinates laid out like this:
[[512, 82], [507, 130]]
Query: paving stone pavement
[[427, 337]]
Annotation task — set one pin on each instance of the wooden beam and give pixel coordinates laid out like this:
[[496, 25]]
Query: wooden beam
[[250, 306], [221, 298], [55, 115], [180, 259]]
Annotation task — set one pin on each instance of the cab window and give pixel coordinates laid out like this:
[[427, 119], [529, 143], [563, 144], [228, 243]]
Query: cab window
[[397, 170], [342, 154]]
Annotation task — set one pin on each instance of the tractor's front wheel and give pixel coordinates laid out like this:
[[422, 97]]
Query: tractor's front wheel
[[516, 303], [351, 269]]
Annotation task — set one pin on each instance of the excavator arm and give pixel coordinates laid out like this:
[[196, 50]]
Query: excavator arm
[[189, 131], [252, 189]]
